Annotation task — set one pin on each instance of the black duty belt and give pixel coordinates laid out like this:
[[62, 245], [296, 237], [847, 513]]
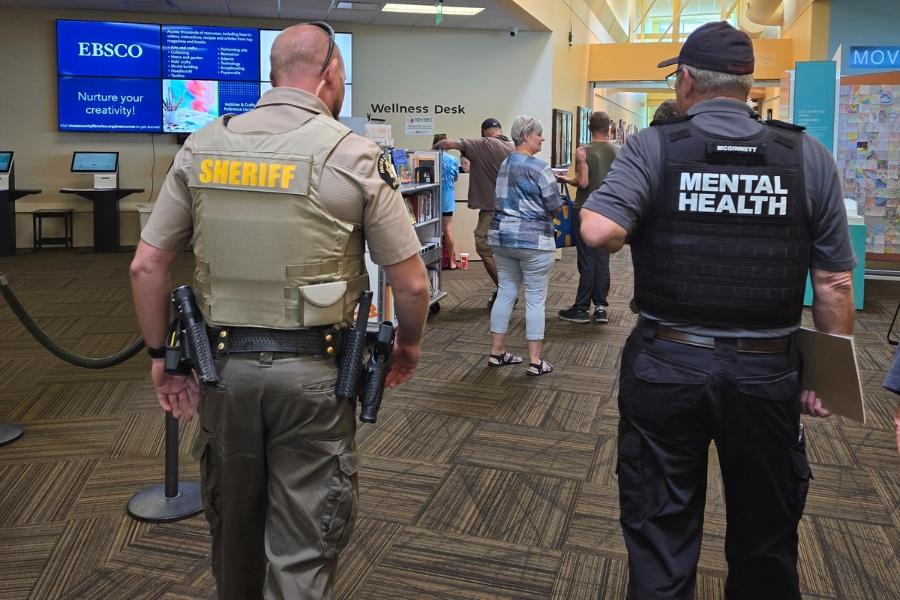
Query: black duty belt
[[232, 340], [752, 345]]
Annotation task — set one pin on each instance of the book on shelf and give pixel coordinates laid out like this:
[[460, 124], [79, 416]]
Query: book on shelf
[[421, 206], [426, 206], [401, 165]]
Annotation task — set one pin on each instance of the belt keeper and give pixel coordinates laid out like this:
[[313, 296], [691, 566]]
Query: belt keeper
[[648, 330], [331, 343], [218, 339]]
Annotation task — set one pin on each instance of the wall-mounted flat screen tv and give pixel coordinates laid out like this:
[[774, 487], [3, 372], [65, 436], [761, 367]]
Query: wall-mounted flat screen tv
[[145, 77]]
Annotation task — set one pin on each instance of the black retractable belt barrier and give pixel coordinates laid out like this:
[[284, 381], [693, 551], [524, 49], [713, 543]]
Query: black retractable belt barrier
[[158, 504], [9, 432], [170, 501], [58, 351]]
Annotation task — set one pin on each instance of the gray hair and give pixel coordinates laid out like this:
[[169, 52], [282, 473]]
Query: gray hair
[[709, 84], [524, 125]]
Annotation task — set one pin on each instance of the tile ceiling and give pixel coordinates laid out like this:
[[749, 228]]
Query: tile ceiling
[[367, 12]]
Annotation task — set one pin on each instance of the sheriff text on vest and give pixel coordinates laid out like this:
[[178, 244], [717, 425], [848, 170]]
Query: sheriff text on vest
[[247, 173]]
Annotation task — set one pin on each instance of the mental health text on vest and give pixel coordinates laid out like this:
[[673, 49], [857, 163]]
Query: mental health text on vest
[[740, 194]]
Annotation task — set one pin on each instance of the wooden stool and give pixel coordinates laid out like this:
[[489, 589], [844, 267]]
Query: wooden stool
[[37, 221]]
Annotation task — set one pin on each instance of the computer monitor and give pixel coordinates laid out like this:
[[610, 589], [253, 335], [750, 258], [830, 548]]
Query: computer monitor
[[95, 162], [6, 157]]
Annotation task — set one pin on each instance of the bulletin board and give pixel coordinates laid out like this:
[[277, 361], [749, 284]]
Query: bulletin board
[[868, 157]]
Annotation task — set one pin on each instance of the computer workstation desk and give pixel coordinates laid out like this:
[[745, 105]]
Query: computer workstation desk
[[106, 213], [8, 196], [8, 218]]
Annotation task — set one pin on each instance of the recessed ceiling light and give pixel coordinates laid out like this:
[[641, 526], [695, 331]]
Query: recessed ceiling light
[[427, 9], [354, 5]]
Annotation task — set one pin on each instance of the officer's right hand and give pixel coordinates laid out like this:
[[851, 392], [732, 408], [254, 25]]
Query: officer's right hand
[[811, 405], [176, 393], [403, 364]]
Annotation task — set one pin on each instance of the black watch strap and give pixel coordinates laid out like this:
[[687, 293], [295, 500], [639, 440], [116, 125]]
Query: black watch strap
[[159, 352]]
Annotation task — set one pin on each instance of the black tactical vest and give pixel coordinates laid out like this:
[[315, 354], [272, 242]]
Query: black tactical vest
[[726, 242]]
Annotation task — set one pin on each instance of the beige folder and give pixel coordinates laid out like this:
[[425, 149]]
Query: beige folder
[[830, 370]]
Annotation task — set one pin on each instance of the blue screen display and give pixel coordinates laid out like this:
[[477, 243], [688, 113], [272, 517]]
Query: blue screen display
[[95, 162], [107, 49], [5, 161], [106, 104], [141, 77], [237, 96], [221, 53]]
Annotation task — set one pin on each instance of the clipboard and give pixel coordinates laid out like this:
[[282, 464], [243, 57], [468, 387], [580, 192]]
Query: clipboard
[[831, 371]]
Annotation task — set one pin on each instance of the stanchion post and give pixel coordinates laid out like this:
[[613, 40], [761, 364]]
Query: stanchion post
[[9, 433], [171, 456], [171, 501]]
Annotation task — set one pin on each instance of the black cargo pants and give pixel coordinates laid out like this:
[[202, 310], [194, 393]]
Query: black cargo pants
[[593, 270], [278, 465], [675, 398]]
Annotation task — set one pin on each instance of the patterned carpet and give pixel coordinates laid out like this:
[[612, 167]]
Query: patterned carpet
[[477, 483]]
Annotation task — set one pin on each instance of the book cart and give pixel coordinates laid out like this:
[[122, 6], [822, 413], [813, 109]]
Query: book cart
[[423, 199]]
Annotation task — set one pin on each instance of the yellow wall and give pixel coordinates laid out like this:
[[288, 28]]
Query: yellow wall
[[569, 81], [807, 27], [569, 78], [637, 62], [549, 15]]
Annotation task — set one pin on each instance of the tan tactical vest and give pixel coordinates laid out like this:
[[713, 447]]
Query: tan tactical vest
[[268, 253]]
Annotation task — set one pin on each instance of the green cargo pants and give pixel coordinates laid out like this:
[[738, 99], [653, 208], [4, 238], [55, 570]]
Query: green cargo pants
[[278, 466]]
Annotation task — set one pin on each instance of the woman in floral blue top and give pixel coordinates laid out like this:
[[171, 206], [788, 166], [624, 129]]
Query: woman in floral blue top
[[521, 236]]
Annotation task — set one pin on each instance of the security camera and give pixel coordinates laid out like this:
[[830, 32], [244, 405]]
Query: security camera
[[514, 32]]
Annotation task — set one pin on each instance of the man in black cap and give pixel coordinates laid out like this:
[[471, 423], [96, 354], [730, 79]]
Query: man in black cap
[[485, 154], [725, 216]]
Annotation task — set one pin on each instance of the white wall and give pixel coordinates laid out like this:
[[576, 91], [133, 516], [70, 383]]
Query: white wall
[[488, 72]]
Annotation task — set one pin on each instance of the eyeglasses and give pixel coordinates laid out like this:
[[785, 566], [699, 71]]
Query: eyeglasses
[[330, 31], [672, 79]]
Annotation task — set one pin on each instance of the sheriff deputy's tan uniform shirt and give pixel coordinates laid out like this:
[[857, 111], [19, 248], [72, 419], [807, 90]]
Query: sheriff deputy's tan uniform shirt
[[352, 188]]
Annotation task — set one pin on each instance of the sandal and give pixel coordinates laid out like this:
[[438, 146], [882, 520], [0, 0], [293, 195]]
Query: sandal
[[541, 368], [498, 360]]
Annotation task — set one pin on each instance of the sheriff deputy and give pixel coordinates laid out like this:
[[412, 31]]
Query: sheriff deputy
[[277, 202]]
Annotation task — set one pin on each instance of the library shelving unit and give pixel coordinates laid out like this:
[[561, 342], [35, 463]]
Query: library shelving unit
[[424, 203]]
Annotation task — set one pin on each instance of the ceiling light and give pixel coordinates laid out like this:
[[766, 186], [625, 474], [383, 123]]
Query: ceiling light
[[426, 9], [354, 5]]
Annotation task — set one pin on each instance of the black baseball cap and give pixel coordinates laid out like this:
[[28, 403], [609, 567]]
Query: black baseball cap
[[489, 123], [716, 47]]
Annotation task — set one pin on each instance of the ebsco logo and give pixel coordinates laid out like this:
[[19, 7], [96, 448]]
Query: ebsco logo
[[109, 50]]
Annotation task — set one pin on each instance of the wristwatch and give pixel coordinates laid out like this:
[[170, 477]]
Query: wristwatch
[[159, 352]]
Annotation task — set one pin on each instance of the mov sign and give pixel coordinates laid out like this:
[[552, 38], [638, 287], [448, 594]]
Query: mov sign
[[875, 57]]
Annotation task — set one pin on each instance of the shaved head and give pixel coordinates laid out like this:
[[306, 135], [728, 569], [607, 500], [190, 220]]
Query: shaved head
[[298, 53], [297, 56]]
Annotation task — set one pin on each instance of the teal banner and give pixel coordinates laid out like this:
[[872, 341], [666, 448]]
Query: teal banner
[[814, 99]]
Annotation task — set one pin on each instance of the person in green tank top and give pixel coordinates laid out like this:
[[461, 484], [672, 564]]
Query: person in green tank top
[[592, 163]]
